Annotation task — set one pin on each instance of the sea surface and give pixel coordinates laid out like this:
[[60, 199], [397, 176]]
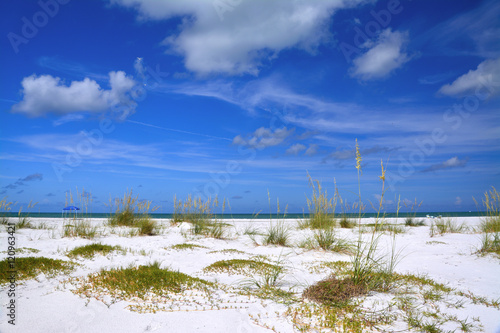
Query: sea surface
[[261, 216]]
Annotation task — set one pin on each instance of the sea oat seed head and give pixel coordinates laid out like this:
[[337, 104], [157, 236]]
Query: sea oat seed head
[[383, 171], [358, 157]]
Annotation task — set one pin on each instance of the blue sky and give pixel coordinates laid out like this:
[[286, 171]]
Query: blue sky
[[237, 97]]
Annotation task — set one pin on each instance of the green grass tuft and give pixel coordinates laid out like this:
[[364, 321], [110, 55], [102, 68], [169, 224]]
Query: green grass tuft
[[90, 250], [490, 225], [277, 234], [239, 266], [328, 241], [147, 227], [347, 223], [442, 226], [187, 246], [82, 229], [132, 212], [140, 281], [321, 207], [413, 222], [30, 267], [490, 243]]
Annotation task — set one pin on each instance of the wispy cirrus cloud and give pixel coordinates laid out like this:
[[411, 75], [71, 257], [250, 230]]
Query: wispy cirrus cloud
[[23, 181], [479, 30], [55, 148], [68, 67], [350, 154]]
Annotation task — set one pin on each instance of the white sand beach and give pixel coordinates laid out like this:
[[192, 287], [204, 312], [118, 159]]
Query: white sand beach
[[48, 304]]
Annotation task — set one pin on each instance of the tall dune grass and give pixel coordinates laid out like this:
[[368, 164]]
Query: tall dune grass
[[194, 210], [370, 268], [131, 212], [491, 205], [277, 233], [201, 214], [321, 206], [5, 208], [490, 225]]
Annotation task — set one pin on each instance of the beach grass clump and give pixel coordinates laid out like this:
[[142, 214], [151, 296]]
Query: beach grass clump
[[411, 215], [490, 243], [346, 222], [302, 224], [442, 226], [327, 240], [239, 266], [334, 292], [268, 277], [129, 211], [411, 221], [309, 243], [217, 230], [277, 234], [194, 210], [201, 215], [491, 204], [251, 230], [90, 250], [490, 225], [82, 228], [321, 206], [5, 208], [386, 227], [141, 281], [30, 267], [24, 222], [23, 219], [147, 227]]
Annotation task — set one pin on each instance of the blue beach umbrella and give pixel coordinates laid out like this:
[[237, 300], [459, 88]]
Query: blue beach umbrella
[[70, 208]]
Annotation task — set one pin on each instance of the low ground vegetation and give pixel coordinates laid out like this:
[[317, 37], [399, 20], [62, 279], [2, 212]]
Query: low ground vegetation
[[30, 267]]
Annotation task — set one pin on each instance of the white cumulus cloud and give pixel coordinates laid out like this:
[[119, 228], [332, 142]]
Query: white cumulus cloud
[[47, 94], [384, 55], [237, 37], [486, 75], [295, 149], [264, 137]]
